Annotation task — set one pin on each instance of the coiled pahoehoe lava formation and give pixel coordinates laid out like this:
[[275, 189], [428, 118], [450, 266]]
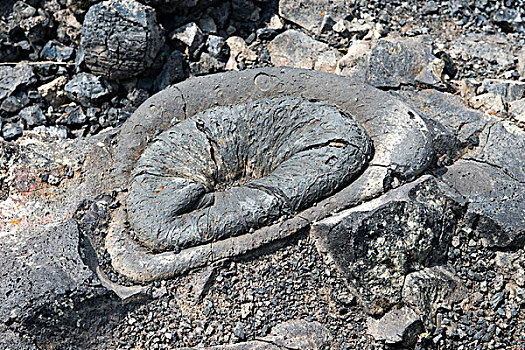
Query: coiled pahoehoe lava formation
[[224, 146], [287, 153]]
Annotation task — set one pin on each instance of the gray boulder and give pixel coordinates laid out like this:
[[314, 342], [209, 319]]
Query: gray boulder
[[86, 89], [377, 244], [295, 49], [120, 39]]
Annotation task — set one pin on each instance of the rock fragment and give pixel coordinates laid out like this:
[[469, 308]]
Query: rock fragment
[[375, 245], [14, 103], [32, 116], [492, 48], [239, 50], [310, 14], [397, 327], [53, 92], [12, 78], [510, 90], [509, 20], [489, 102], [517, 110], [69, 26], [427, 290], [497, 201], [191, 36], [11, 131], [120, 39], [355, 63], [86, 89], [55, 51], [295, 49], [45, 266], [394, 63], [173, 71]]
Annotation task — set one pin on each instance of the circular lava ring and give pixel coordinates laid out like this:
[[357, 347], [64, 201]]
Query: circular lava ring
[[232, 169], [205, 118]]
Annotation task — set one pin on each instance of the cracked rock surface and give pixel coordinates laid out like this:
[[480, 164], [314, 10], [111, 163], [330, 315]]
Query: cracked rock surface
[[120, 39]]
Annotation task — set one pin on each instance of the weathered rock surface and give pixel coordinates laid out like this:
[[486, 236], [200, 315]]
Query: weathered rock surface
[[36, 269], [377, 244], [497, 201], [454, 126], [311, 14], [494, 48], [398, 326], [517, 110], [393, 63], [427, 290], [399, 155], [120, 39], [295, 49], [13, 77], [86, 89]]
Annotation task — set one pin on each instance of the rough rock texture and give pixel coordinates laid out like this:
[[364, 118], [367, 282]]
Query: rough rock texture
[[311, 14], [497, 208], [120, 39], [295, 49], [401, 153], [45, 266], [399, 326], [427, 290], [191, 183], [297, 334], [375, 245], [86, 89], [13, 77], [494, 48], [393, 63], [455, 127]]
